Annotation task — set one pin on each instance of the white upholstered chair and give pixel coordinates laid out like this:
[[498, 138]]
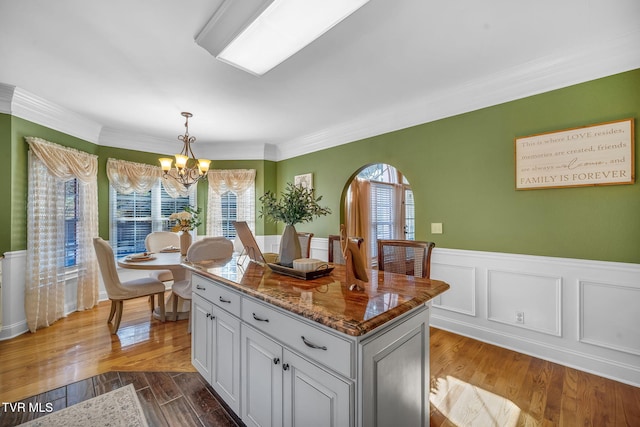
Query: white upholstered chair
[[205, 249], [157, 241], [119, 291]]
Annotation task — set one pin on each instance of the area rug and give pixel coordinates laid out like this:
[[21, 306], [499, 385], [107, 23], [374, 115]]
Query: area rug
[[116, 408]]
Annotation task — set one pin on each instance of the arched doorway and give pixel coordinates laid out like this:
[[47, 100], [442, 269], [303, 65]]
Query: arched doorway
[[379, 205]]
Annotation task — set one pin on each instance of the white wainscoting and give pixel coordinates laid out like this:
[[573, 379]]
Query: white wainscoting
[[579, 313]]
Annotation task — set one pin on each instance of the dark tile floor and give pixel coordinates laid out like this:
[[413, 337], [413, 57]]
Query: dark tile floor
[[168, 399]]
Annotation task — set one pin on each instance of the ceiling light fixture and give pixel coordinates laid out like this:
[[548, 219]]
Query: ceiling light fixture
[[188, 170], [257, 35]]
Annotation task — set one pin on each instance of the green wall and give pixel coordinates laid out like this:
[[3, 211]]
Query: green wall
[[462, 173], [461, 170]]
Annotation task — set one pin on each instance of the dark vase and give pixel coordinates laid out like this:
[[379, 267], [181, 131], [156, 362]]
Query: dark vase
[[289, 246]]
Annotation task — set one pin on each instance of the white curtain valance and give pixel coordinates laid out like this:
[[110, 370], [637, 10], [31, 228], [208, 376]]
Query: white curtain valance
[[130, 177], [64, 162], [236, 180]]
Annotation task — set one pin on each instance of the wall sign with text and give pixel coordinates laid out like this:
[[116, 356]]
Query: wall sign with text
[[601, 154]]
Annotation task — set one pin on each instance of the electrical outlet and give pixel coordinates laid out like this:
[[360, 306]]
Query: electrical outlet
[[519, 316]]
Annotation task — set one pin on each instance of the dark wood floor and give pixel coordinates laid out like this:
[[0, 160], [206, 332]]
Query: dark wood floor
[[168, 399]]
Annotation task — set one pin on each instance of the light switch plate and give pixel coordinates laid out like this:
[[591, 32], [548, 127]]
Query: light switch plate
[[436, 228]]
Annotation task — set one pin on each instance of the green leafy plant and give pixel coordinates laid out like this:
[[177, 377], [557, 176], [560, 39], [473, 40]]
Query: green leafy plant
[[297, 205]]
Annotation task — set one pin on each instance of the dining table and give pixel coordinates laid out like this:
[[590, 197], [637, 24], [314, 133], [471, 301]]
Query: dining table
[[162, 261]]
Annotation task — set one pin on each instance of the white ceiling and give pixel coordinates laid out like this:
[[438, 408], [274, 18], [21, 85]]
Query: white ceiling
[[128, 68]]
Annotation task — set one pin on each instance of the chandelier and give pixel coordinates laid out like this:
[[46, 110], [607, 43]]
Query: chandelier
[[188, 170]]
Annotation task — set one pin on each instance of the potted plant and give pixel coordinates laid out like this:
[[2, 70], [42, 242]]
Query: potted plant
[[296, 205], [186, 221]]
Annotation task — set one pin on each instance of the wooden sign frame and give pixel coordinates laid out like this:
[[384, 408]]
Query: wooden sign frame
[[599, 154]]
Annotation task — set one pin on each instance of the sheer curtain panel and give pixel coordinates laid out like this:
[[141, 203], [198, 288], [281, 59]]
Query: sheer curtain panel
[[50, 166], [242, 183]]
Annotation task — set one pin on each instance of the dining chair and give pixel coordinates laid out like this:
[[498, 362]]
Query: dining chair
[[118, 291], [335, 251], [205, 249], [410, 257], [305, 243], [157, 241]]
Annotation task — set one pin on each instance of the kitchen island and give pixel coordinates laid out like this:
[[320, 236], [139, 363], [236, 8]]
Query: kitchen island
[[285, 351]]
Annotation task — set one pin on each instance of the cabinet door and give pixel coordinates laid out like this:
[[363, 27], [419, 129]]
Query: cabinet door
[[201, 329], [225, 358], [314, 397], [395, 375], [261, 379]]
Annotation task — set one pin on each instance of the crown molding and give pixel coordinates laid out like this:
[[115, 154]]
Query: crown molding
[[111, 137], [6, 96], [238, 151], [38, 110], [542, 75]]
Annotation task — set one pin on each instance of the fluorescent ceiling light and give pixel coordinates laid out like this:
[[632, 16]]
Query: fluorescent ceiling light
[[270, 31]]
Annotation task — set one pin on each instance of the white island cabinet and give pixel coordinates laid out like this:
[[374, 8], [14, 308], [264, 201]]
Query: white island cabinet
[[314, 354]]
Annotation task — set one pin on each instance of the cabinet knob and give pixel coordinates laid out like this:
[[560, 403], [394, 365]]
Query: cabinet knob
[[285, 366], [208, 314], [260, 319], [276, 360]]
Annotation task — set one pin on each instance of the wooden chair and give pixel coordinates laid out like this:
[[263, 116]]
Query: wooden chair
[[335, 251], [409, 257], [120, 291], [206, 249], [157, 241], [305, 243]]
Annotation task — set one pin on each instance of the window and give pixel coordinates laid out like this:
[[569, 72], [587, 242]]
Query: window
[[134, 216], [70, 223], [231, 197], [229, 214]]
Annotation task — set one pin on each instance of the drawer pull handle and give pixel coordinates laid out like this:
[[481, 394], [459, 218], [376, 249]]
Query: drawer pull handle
[[285, 366], [224, 300], [211, 316], [259, 319], [312, 345], [276, 360], [200, 288]]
